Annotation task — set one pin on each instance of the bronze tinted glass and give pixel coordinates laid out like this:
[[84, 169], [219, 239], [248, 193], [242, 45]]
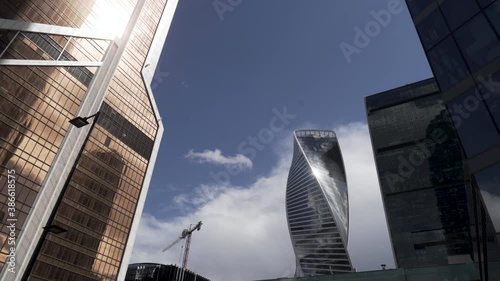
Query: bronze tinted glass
[[36, 104]]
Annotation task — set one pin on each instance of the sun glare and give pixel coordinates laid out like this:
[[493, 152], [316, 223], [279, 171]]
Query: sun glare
[[109, 19]]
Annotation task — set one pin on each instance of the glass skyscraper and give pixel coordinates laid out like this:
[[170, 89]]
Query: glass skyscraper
[[317, 204], [61, 59], [428, 208], [461, 39]]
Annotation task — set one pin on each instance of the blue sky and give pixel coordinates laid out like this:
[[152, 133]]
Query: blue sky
[[224, 78]]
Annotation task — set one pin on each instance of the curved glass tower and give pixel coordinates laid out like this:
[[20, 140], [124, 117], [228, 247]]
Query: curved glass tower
[[317, 204]]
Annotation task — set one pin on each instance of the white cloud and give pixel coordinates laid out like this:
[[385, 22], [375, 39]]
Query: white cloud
[[369, 244], [215, 157], [245, 234]]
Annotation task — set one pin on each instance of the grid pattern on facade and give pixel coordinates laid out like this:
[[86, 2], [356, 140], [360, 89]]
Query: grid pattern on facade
[[99, 205], [112, 121], [419, 164], [36, 103], [462, 42], [319, 237], [127, 94], [53, 46]]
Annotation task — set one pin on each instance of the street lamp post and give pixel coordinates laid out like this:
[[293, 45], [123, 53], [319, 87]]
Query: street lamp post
[[50, 227]]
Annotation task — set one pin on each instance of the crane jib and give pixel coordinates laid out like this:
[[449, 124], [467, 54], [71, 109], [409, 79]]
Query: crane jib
[[186, 233]]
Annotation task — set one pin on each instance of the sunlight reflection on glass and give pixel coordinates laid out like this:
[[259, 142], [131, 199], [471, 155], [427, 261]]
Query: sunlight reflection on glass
[[109, 19]]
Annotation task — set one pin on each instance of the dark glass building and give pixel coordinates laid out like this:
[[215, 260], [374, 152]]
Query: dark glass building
[[461, 39], [455, 272], [160, 272], [428, 207], [317, 204], [58, 60]]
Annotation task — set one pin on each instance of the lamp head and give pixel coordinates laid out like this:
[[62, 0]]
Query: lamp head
[[55, 229], [79, 122]]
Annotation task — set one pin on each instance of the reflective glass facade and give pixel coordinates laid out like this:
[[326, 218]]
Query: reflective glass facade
[[461, 39], [428, 207], [157, 272], [457, 272], [317, 204], [39, 94]]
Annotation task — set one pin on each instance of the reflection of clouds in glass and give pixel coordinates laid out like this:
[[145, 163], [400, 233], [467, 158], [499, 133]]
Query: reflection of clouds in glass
[[317, 172], [317, 180], [493, 205], [326, 146], [329, 175], [336, 200]]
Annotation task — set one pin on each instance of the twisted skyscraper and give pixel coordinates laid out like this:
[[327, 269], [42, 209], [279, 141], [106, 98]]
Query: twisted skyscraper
[[317, 204]]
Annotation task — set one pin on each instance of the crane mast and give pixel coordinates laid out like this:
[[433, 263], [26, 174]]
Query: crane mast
[[186, 251], [186, 234]]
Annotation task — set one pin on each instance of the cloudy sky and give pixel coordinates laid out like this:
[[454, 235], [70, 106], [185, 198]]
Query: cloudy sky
[[231, 86]]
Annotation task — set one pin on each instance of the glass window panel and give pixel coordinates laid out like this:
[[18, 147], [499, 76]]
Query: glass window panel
[[473, 123], [432, 29], [410, 119], [457, 12], [425, 224], [488, 181], [400, 95], [493, 13], [478, 42], [490, 88], [447, 64], [417, 6], [422, 165], [485, 3]]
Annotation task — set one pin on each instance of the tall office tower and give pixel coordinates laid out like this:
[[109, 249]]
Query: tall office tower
[[428, 208], [461, 39], [71, 195], [317, 204]]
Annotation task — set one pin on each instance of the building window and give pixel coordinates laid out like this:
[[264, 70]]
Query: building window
[[490, 88], [457, 12], [485, 3], [417, 6], [473, 123], [432, 29], [493, 13], [487, 181], [447, 64], [478, 42]]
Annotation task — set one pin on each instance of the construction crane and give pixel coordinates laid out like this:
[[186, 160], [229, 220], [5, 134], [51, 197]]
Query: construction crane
[[186, 234]]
